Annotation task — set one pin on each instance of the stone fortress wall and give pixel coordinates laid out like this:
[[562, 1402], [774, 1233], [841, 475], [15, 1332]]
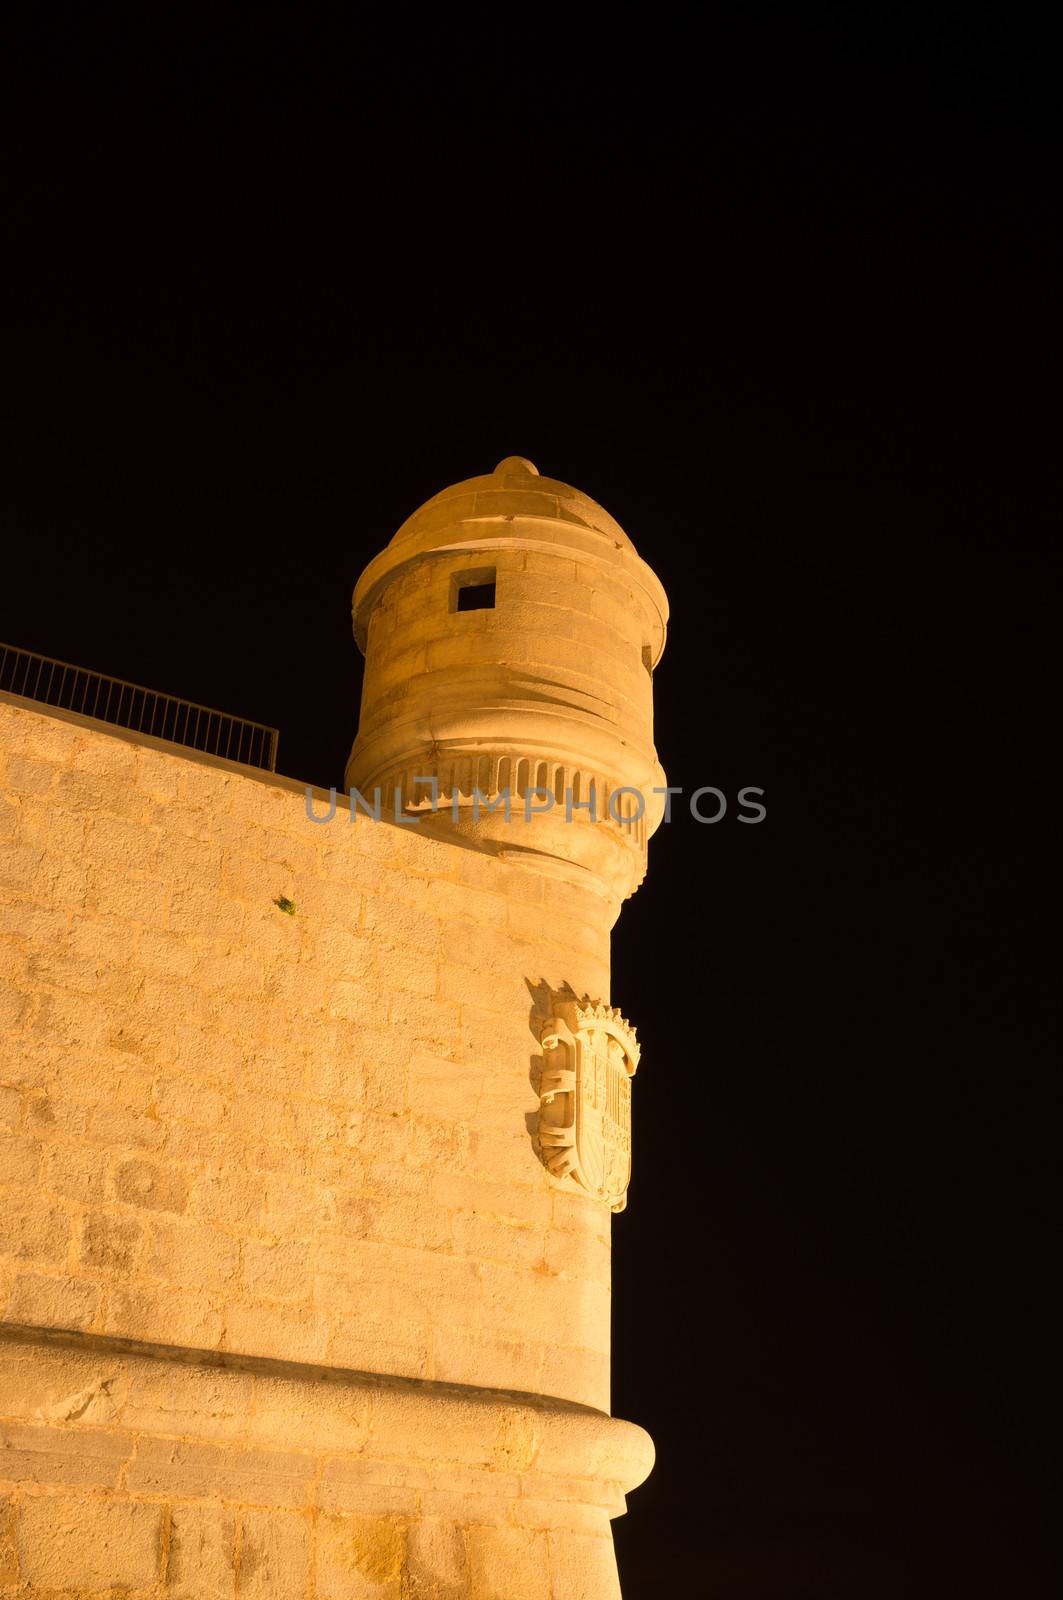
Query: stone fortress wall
[[311, 1131], [302, 1138]]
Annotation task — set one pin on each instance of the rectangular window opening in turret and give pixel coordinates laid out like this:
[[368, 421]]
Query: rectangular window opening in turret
[[647, 658], [473, 590]]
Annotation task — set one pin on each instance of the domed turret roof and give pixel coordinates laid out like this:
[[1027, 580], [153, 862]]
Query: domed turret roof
[[515, 488], [513, 506]]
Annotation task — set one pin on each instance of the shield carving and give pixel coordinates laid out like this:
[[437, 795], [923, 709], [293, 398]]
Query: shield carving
[[589, 1058]]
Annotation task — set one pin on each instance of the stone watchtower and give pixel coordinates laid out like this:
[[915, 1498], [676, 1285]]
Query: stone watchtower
[[510, 632], [318, 1123]]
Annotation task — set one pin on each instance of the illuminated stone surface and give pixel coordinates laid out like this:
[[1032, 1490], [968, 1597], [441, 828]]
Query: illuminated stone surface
[[545, 687], [293, 1303]]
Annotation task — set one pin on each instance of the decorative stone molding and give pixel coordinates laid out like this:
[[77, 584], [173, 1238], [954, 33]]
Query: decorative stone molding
[[590, 1053], [461, 794], [468, 777], [142, 1468], [250, 1402]]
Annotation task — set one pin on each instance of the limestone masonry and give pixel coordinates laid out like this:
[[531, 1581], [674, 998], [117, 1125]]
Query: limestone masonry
[[305, 1218]]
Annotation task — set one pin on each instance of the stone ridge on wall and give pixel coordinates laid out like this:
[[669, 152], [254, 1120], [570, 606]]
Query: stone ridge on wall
[[157, 1480]]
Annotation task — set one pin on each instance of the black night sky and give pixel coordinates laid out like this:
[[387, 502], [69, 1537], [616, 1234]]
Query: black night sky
[[781, 289]]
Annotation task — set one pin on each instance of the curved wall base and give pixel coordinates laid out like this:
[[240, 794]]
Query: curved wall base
[[170, 1472]]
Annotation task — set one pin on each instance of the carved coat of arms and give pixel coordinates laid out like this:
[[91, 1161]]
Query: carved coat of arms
[[589, 1058]]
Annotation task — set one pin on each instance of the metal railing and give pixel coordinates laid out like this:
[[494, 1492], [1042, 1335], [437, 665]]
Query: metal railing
[[130, 705]]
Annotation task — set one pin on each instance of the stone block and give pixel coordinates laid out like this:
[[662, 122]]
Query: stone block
[[84, 1546], [22, 919], [359, 1557], [486, 990], [20, 1159], [428, 1023], [203, 915], [273, 1556], [185, 1100], [151, 1185], [202, 1553], [488, 1238], [488, 1361], [110, 1243], [530, 1202], [258, 1328], [370, 1345], [51, 1455], [76, 1171], [190, 1253], [188, 1470], [164, 954], [348, 1486], [34, 1228], [275, 1269], [577, 1374], [507, 1561], [437, 1566], [579, 1255], [10, 1108], [48, 738], [582, 1566], [8, 1552], [19, 864], [412, 1222], [109, 754], [117, 1128], [165, 1315], [206, 1403], [14, 1004], [135, 897]]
